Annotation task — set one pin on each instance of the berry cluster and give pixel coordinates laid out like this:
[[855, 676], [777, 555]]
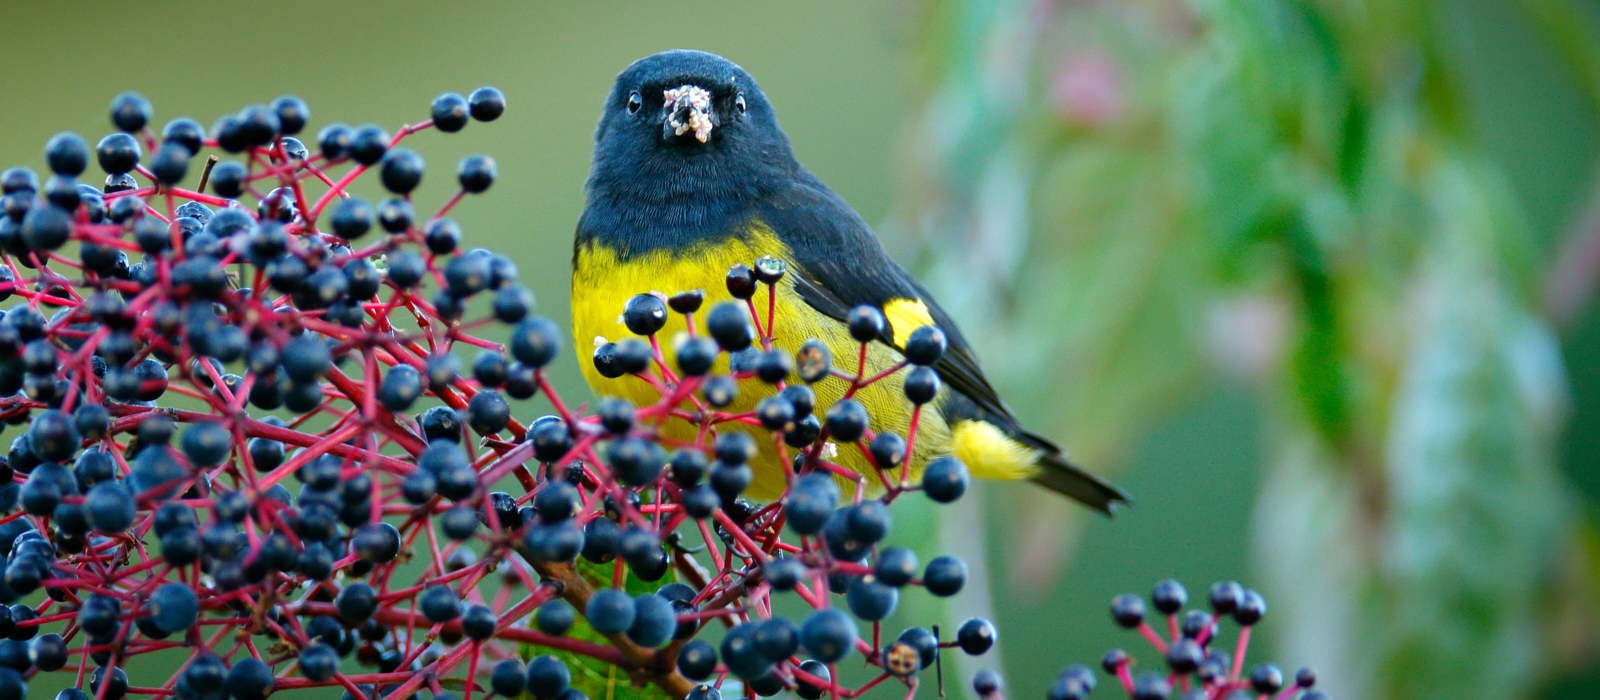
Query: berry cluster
[[1197, 669], [178, 355]]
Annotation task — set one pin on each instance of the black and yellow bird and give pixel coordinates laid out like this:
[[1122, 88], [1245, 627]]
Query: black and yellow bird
[[693, 175]]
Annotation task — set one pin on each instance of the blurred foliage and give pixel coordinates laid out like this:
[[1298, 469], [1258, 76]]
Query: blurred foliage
[[1123, 198]]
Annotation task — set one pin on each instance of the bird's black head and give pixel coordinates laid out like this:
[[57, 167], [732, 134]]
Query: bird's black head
[[686, 124]]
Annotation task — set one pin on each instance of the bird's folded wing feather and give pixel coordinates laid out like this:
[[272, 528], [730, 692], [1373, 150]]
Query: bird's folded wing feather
[[842, 265]]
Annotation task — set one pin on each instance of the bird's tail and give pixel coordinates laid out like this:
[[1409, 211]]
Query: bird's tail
[[1070, 480]]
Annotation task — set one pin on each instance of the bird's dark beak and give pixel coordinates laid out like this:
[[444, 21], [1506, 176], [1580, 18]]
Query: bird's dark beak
[[686, 112]]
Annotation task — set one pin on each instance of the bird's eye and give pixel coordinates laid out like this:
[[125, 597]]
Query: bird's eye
[[634, 103], [738, 103]]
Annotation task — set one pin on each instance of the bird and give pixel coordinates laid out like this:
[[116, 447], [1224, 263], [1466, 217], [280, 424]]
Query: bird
[[692, 175]]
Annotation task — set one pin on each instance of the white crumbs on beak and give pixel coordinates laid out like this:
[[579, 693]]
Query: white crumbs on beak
[[689, 109]]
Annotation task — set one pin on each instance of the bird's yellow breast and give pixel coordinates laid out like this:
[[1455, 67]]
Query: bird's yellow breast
[[602, 283]]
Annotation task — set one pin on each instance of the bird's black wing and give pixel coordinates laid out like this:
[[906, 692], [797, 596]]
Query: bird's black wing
[[840, 265]]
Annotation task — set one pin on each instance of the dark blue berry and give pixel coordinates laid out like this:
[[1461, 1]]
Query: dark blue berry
[[489, 368], [207, 443], [869, 521], [439, 604], [352, 219], [249, 679], [367, 144], [401, 386], [813, 361], [923, 641], [401, 170], [442, 236], [1151, 686], [478, 622], [378, 543], [697, 660], [895, 566], [776, 639], [53, 436], [115, 682], [775, 366], [67, 154], [686, 467], [1266, 680], [258, 125], [554, 618], [945, 479], [1226, 597], [945, 576], [1305, 678], [810, 503], [922, 385], [1185, 657], [318, 662], [846, 420], [644, 314], [130, 111], [547, 677], [316, 562], [487, 412], [306, 358], [975, 636], [180, 547], [741, 281], [334, 141], [925, 346], [486, 104], [48, 652], [356, 603], [696, 356], [292, 113], [512, 303], [1128, 610], [871, 600], [654, 621], [719, 390], [1252, 607], [507, 679], [700, 502], [534, 342], [117, 153], [170, 163], [828, 635], [476, 173], [1169, 596], [740, 654], [866, 323], [556, 501], [729, 324], [110, 506], [987, 682], [610, 611], [807, 689], [888, 450], [784, 574], [459, 523]]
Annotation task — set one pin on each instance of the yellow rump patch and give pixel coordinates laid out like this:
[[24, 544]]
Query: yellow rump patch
[[991, 454], [906, 315]]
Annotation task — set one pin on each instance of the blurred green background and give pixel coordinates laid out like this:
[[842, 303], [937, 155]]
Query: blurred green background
[[1312, 279]]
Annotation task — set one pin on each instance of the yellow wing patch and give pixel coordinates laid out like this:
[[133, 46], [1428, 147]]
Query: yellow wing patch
[[991, 454], [906, 315]]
